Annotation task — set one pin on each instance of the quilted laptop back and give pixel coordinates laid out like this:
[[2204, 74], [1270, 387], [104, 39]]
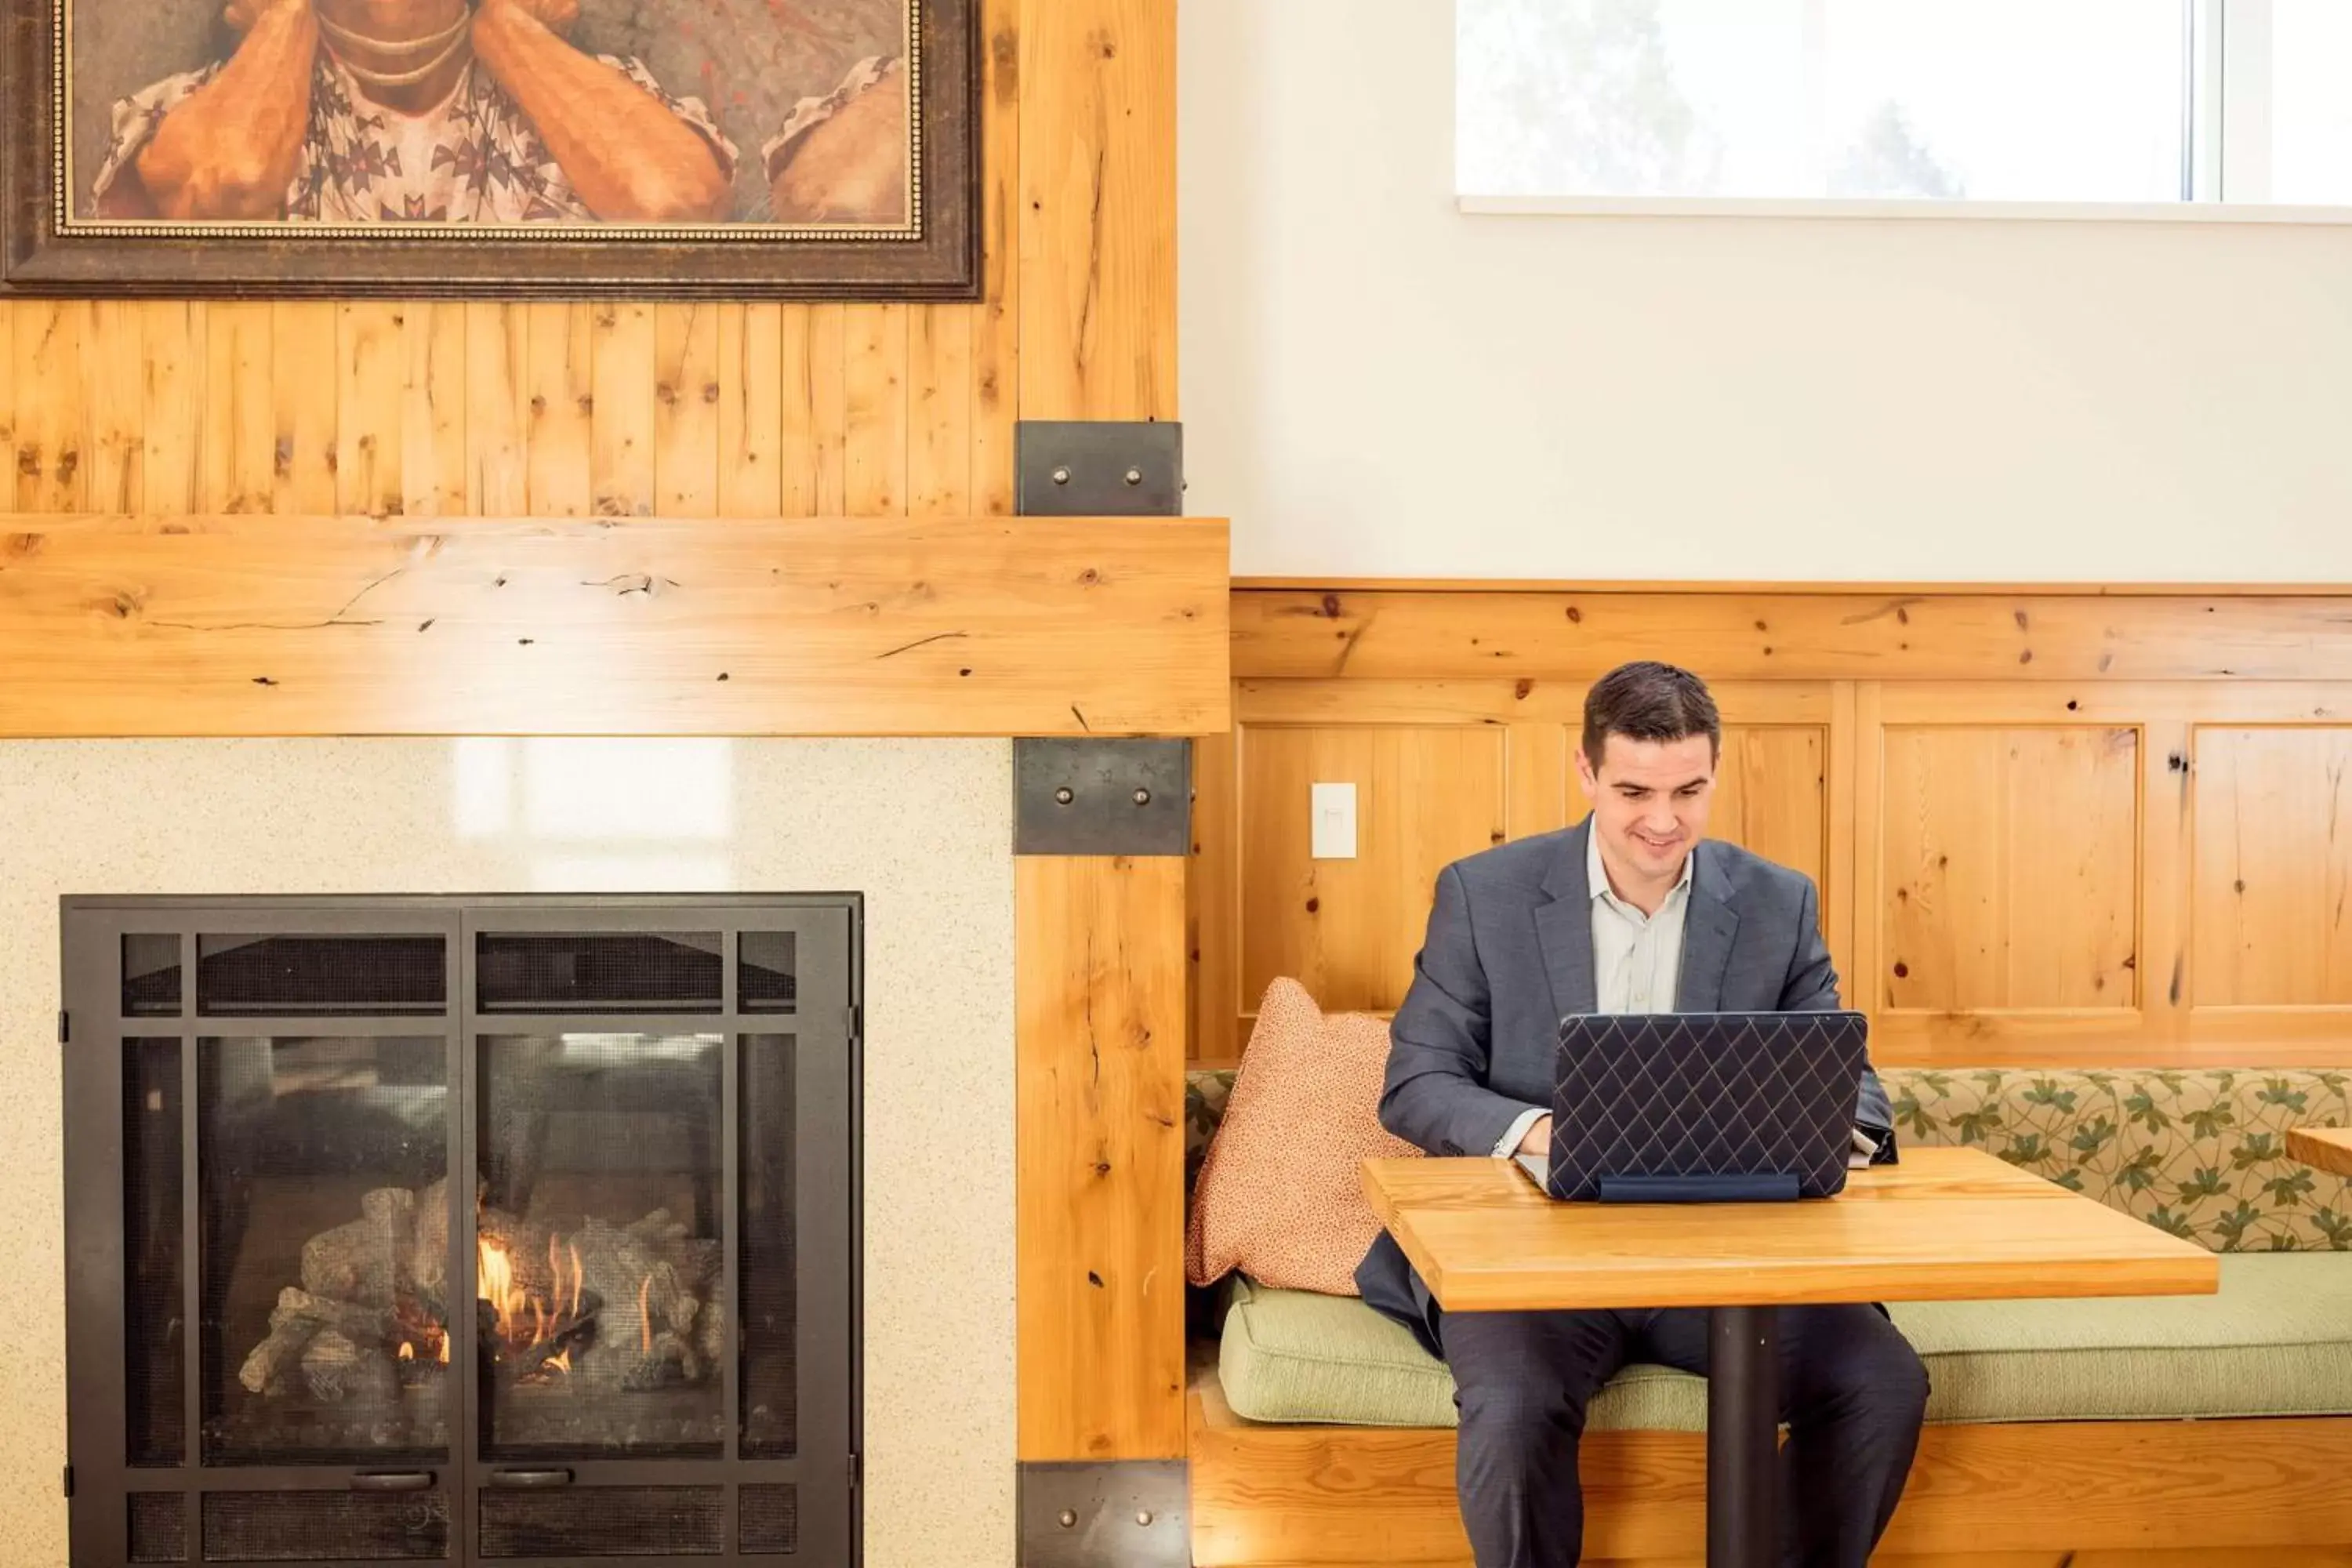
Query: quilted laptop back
[[1699, 1105]]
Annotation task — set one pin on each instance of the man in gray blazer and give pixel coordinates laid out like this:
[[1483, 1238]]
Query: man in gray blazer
[[1632, 911]]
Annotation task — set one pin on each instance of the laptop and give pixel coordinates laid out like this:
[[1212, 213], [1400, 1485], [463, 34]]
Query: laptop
[[1704, 1107]]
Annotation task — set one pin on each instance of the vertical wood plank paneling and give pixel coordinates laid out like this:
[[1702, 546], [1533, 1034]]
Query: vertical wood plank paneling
[[304, 381], [497, 408], [8, 309], [371, 413], [52, 406], [796, 435], [1098, 1046], [1837, 890], [172, 424], [1213, 899], [2168, 824], [563, 403], [828, 416], [241, 433], [996, 320], [1772, 793], [685, 409], [2012, 861], [435, 479], [750, 412], [939, 410], [875, 401], [116, 377], [1348, 929], [1865, 984], [2273, 919], [1537, 792], [1097, 210], [621, 456]]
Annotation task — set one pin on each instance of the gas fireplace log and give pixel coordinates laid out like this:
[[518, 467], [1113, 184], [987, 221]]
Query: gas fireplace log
[[363, 1261], [300, 1316], [338, 1371]]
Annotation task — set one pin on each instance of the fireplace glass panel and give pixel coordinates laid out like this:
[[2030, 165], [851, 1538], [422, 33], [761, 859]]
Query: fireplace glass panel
[[322, 1170], [599, 972], [770, 1146], [767, 975], [600, 1316], [150, 976], [155, 1297], [311, 974]]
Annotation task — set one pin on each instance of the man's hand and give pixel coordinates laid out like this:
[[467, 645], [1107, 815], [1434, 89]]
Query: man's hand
[[557, 17], [1538, 1138]]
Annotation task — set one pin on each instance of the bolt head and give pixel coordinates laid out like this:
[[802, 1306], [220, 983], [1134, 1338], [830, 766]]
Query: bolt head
[[1069, 1518], [1134, 475], [1061, 476], [1143, 798], [1143, 1516], [1064, 795]]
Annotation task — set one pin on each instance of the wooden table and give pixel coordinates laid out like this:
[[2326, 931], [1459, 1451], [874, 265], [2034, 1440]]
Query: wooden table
[[2327, 1147], [1943, 1224]]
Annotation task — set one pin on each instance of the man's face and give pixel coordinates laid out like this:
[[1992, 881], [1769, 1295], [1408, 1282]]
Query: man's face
[[1650, 801]]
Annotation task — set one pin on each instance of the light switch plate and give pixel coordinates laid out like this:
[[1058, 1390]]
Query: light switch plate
[[1334, 833]]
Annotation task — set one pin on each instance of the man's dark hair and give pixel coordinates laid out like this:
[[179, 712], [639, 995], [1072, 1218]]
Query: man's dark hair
[[1646, 701]]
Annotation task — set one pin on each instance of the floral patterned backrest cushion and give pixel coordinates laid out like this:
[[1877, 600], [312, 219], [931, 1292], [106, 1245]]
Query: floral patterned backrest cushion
[[2201, 1154]]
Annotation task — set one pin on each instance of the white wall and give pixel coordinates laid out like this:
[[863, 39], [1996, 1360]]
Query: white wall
[[1375, 384]]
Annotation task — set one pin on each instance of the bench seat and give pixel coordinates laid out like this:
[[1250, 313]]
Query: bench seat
[[2276, 1341]]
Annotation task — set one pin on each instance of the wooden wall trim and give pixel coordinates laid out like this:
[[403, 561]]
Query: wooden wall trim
[[313, 626], [1774, 635]]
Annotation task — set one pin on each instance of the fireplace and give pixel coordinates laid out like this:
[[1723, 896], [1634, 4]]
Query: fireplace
[[462, 1229]]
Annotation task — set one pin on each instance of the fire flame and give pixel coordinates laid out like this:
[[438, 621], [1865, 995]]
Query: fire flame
[[407, 1351], [523, 1317]]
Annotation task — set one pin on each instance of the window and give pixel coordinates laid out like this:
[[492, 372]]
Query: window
[[2139, 103]]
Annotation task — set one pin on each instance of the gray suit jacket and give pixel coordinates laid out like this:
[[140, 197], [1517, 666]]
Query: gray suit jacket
[[1509, 953]]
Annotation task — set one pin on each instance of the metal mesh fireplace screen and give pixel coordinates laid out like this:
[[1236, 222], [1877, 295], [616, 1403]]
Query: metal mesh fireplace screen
[[462, 1229]]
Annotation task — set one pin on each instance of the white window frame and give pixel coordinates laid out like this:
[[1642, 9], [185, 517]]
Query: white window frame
[[2227, 84]]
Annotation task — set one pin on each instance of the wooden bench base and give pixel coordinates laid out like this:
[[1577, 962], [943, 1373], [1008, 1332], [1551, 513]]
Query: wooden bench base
[[2108, 1494]]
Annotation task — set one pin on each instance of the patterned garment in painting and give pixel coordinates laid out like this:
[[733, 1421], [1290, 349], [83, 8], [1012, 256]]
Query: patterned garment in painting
[[474, 158]]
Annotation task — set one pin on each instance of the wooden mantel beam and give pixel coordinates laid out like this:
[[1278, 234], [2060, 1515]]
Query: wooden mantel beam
[[319, 625]]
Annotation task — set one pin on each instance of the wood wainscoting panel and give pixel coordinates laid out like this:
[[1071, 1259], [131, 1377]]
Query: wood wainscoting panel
[[1442, 769], [1772, 795], [329, 625], [2012, 863], [2272, 865], [1348, 929], [1098, 1046], [2049, 825]]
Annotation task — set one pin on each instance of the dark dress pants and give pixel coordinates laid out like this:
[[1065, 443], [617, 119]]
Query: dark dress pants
[[1852, 1393]]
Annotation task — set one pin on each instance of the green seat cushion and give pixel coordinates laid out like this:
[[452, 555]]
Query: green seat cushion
[[2276, 1341]]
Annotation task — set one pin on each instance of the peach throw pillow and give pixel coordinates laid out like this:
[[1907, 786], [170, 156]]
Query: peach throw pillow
[[1281, 1194]]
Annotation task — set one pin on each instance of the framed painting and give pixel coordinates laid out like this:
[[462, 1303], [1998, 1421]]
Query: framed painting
[[774, 149]]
